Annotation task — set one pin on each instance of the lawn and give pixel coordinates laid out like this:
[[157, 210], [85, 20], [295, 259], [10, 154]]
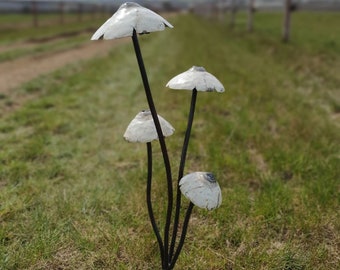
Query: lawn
[[72, 190]]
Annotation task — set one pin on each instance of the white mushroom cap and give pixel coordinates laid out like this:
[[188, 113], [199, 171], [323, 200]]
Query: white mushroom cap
[[196, 77], [142, 128], [128, 17], [201, 189]]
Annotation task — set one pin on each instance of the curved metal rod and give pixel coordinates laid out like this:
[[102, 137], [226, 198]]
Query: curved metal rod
[[184, 233], [149, 204], [161, 142], [181, 169]]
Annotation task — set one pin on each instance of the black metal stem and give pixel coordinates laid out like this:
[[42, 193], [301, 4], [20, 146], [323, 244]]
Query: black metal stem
[[181, 170], [184, 233], [161, 142], [149, 204]]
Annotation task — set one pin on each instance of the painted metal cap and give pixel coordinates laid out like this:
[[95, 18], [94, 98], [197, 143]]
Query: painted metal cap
[[202, 189], [196, 77], [142, 128], [128, 17]]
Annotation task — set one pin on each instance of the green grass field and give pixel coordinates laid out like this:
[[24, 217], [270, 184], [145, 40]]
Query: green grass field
[[20, 27], [72, 191], [22, 39]]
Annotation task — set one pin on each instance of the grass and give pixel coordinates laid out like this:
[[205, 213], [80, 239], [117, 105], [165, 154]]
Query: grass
[[20, 27], [18, 38], [44, 47], [72, 190]]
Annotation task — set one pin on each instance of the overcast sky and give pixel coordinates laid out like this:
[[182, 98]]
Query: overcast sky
[[187, 1], [118, 2]]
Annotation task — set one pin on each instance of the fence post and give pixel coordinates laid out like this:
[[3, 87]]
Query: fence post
[[251, 9], [34, 13], [233, 10], [286, 21], [61, 12], [80, 12]]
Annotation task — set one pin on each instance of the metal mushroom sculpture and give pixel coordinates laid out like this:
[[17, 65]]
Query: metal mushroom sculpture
[[194, 79], [202, 189], [129, 20], [142, 128], [131, 17]]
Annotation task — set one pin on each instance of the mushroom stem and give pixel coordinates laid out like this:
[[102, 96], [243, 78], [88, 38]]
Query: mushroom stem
[[183, 235], [149, 203], [181, 169], [161, 141]]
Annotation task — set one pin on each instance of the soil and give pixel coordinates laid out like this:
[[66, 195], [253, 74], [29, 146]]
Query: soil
[[21, 70], [15, 72]]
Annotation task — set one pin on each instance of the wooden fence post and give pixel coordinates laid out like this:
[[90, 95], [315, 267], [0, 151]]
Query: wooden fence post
[[34, 13], [233, 10], [61, 12], [251, 9], [80, 12], [286, 21]]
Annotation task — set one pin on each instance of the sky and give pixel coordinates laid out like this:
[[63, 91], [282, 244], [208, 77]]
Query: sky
[[118, 2], [186, 1]]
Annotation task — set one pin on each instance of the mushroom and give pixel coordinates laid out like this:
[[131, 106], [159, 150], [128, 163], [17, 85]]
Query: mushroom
[[196, 78], [142, 128], [132, 19], [202, 189], [129, 17]]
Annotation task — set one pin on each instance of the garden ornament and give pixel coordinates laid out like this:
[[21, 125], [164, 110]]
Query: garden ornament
[[129, 20], [201, 189], [129, 17], [142, 128]]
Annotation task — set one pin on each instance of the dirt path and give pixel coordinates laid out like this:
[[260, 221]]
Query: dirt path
[[14, 73], [21, 70]]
